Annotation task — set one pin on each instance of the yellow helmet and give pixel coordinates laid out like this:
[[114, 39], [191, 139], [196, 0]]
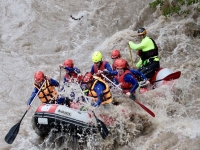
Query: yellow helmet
[[96, 56]]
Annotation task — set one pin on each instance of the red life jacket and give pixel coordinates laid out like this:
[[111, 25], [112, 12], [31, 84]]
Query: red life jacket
[[126, 87], [73, 76], [102, 67]]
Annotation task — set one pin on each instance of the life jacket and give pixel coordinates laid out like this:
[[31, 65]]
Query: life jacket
[[72, 76], [149, 54], [47, 92], [107, 96], [102, 67], [126, 87]]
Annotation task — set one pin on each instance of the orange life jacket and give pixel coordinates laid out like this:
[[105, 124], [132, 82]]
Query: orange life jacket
[[47, 92], [107, 96]]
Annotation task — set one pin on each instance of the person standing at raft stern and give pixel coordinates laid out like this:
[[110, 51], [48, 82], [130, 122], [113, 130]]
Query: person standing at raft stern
[[148, 52], [99, 65], [98, 89], [47, 93]]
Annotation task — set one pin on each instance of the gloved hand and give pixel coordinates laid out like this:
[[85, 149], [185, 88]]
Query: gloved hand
[[144, 83], [106, 72], [132, 96]]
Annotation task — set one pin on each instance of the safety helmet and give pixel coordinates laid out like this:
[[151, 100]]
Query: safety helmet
[[142, 31], [96, 57], [115, 54], [39, 76], [68, 63], [121, 63], [87, 77]]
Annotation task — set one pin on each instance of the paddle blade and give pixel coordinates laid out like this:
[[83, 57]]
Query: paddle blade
[[101, 127], [145, 108], [173, 76], [11, 135]]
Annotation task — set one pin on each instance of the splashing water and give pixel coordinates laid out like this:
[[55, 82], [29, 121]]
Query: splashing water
[[39, 35]]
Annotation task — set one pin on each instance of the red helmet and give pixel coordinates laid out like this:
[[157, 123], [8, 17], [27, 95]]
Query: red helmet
[[68, 63], [39, 76], [121, 63], [115, 54], [87, 77]]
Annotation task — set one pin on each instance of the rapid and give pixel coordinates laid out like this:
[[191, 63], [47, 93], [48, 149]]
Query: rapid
[[40, 35]]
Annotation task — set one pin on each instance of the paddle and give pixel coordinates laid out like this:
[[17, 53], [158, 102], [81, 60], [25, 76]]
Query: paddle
[[133, 98], [172, 76], [131, 56], [144, 107], [101, 127], [59, 80], [11, 135]]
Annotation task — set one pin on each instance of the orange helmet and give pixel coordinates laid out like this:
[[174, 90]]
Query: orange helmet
[[121, 63], [68, 63], [142, 31], [115, 54], [39, 76], [87, 77]]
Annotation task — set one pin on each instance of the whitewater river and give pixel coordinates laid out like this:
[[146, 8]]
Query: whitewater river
[[40, 34]]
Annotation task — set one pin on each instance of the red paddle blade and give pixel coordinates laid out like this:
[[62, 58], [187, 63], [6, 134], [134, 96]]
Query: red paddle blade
[[173, 76], [145, 108]]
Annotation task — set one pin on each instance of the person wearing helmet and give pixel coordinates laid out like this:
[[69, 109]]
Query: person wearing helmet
[[98, 89], [115, 54], [72, 73], [148, 52], [45, 90], [99, 65], [124, 77]]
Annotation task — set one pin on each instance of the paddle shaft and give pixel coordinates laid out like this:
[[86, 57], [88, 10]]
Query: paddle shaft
[[131, 56], [144, 107], [101, 127], [59, 79]]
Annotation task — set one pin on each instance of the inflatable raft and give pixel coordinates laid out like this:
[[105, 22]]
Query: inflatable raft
[[62, 119], [164, 76]]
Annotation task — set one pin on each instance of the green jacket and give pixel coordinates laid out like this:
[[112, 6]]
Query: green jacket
[[145, 45]]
